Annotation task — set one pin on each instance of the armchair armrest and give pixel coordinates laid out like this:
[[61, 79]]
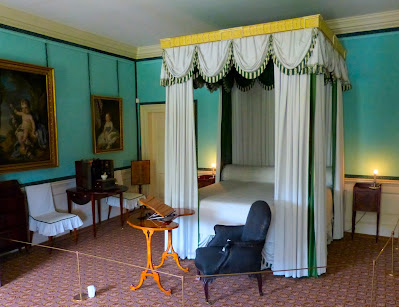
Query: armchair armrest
[[224, 233], [242, 257]]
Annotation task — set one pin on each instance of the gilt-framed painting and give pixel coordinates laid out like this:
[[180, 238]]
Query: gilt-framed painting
[[28, 128], [106, 113]]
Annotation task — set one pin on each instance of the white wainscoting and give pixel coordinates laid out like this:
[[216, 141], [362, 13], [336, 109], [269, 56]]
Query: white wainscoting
[[389, 209], [83, 211]]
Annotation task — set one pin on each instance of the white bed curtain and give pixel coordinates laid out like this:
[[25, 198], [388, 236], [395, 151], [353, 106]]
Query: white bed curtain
[[181, 188], [253, 140], [319, 169], [339, 181], [291, 173], [295, 54]]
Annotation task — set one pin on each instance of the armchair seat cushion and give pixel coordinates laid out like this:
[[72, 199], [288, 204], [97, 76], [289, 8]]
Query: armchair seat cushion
[[207, 259], [53, 223]]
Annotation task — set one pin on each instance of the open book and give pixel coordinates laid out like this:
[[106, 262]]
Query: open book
[[161, 209]]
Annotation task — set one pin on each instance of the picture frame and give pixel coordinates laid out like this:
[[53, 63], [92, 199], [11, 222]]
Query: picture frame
[[107, 125], [28, 126]]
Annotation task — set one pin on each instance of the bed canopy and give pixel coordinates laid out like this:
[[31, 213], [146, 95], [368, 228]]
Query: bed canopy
[[299, 66]]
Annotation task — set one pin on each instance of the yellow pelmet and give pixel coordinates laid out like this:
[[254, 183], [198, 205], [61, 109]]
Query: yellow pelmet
[[314, 21]]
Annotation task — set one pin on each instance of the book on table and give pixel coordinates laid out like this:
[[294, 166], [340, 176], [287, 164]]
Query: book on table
[[161, 210]]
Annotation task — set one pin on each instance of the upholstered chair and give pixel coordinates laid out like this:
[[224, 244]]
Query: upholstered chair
[[43, 218], [236, 249], [130, 199]]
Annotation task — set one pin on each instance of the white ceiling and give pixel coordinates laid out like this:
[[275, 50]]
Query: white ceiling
[[144, 22]]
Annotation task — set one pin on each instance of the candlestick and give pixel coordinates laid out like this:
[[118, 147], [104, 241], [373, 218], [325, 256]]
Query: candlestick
[[213, 169], [375, 177]]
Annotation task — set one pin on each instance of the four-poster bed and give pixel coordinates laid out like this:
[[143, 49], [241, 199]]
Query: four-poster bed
[[301, 63]]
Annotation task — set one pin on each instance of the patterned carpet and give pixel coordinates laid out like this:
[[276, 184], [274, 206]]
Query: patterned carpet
[[38, 278]]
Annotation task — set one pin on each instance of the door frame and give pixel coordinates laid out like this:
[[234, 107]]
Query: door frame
[[140, 141]]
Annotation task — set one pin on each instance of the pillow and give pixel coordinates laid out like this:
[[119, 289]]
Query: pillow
[[248, 173]]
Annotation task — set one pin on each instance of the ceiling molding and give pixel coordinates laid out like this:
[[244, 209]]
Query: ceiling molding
[[369, 22], [28, 22], [32, 23], [152, 51]]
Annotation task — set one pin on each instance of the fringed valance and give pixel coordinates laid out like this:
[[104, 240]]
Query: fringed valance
[[304, 51]]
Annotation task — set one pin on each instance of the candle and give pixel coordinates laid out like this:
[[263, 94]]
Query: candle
[[375, 176], [213, 169]]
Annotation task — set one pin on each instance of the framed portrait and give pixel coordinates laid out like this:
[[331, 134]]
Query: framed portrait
[[28, 128], [106, 113]]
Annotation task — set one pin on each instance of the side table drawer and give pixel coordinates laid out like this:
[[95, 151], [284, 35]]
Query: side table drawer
[[366, 200]]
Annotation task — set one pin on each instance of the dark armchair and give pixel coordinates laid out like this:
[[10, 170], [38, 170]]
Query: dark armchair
[[236, 249]]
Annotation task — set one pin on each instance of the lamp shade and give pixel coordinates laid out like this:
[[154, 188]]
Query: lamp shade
[[140, 172]]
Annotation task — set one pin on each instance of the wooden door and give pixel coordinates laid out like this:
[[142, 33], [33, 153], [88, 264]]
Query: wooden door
[[152, 118]]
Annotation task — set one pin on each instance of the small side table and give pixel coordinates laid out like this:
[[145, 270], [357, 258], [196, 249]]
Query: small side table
[[205, 180], [366, 198]]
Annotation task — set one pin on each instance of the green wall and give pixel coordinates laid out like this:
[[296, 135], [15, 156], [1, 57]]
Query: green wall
[[78, 73], [371, 108], [149, 90]]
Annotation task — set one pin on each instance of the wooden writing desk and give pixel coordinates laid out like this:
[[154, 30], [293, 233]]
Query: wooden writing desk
[[81, 197], [138, 220]]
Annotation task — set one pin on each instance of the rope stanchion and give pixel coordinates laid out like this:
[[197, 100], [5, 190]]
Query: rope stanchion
[[182, 291], [372, 285], [81, 296], [392, 237], [373, 278]]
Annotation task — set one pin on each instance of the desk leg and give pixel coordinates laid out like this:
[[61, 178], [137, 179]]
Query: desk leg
[[172, 253], [99, 210], [378, 226], [353, 222], [121, 205], [93, 211], [148, 234]]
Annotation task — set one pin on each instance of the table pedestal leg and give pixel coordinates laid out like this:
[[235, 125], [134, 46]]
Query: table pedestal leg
[[172, 253], [148, 234]]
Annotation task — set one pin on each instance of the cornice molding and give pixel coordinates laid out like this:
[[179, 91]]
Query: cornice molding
[[369, 22], [152, 51], [28, 22]]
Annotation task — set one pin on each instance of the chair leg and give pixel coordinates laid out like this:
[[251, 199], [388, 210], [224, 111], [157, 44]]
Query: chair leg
[[31, 236], [50, 239], [109, 211], [206, 291], [259, 278], [75, 235]]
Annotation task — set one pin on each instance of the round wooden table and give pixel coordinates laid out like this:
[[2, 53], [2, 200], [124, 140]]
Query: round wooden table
[[139, 219]]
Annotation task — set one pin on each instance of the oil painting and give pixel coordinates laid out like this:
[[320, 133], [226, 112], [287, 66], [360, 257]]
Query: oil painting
[[28, 137], [107, 123]]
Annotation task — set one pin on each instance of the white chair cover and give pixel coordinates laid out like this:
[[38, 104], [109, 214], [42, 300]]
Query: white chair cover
[[130, 200], [43, 218]]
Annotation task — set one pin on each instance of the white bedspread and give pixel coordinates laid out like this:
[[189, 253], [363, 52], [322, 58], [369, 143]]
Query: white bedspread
[[228, 203]]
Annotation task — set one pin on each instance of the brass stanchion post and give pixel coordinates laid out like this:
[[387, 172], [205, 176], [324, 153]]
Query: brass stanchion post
[[393, 237], [372, 285], [182, 291], [81, 296]]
